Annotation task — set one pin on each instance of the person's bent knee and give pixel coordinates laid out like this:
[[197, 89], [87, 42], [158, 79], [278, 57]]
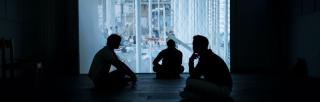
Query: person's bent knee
[[204, 87], [156, 68], [181, 69]]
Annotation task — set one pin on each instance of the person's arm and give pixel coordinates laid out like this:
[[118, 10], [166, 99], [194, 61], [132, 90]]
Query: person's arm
[[192, 71], [123, 67], [180, 58], [129, 71], [157, 59]]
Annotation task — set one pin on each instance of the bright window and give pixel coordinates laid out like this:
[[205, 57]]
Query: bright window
[[160, 20]]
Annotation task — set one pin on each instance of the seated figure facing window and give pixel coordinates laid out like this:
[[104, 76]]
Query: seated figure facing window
[[171, 66]]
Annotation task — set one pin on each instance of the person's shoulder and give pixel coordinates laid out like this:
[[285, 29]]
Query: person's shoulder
[[178, 51], [164, 51], [174, 50], [211, 53], [105, 52], [104, 49]]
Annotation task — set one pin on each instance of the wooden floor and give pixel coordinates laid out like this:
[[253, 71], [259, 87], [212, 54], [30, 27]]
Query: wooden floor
[[247, 88]]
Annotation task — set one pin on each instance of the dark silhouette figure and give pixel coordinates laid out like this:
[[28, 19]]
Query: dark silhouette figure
[[100, 67], [171, 62], [210, 79]]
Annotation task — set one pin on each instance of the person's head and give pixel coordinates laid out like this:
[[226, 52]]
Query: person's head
[[171, 43], [113, 41], [200, 43]]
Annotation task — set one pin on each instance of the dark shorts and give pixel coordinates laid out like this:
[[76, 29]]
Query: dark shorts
[[163, 72]]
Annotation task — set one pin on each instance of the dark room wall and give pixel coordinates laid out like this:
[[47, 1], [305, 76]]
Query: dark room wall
[[44, 30], [264, 36], [18, 25], [269, 35], [306, 34], [258, 36]]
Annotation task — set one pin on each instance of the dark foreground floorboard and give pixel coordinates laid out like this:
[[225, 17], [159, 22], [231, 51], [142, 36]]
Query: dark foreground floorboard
[[247, 88]]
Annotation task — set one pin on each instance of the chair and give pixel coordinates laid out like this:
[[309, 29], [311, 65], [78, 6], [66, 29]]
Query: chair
[[9, 65]]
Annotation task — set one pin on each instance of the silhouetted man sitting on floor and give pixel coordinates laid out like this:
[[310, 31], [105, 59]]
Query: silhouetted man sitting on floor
[[210, 79], [171, 62], [100, 67]]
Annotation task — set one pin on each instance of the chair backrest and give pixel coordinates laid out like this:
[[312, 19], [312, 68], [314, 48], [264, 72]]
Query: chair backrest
[[6, 47]]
